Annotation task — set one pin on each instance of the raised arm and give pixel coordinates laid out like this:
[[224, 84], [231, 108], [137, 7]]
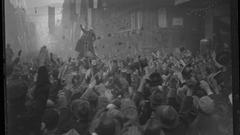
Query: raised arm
[[89, 89], [84, 31]]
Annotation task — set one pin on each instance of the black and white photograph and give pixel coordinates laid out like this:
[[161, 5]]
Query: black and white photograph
[[121, 67]]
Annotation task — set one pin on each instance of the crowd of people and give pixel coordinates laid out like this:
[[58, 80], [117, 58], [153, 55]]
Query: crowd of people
[[168, 93]]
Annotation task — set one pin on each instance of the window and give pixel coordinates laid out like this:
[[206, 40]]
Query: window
[[89, 18], [162, 18], [139, 20], [136, 20]]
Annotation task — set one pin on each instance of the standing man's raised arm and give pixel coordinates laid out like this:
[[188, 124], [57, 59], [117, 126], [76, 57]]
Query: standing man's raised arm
[[84, 31]]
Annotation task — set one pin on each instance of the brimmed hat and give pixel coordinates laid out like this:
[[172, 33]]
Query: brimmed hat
[[206, 104], [168, 116], [100, 89], [155, 79]]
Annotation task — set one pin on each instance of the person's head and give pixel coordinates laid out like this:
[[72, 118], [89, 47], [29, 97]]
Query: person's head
[[224, 58], [164, 66], [155, 79], [153, 127], [106, 126], [207, 105], [192, 81], [168, 116], [182, 49], [93, 100], [135, 80], [188, 60], [129, 109], [81, 109], [187, 72], [75, 80], [157, 98]]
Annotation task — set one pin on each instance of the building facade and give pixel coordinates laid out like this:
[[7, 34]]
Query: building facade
[[133, 27]]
